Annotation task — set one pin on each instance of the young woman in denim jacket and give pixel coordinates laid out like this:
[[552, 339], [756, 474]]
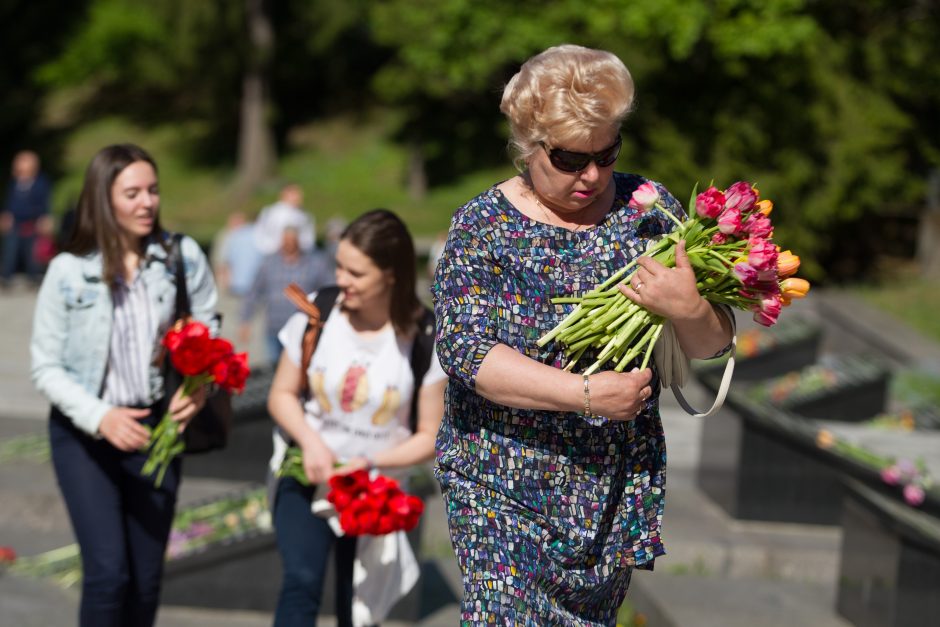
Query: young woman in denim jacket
[[102, 309]]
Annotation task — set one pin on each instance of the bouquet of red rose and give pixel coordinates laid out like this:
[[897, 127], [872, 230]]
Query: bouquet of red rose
[[202, 360], [728, 240], [365, 504]]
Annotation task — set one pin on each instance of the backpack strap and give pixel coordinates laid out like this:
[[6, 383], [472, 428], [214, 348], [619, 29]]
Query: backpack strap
[[323, 302], [421, 360]]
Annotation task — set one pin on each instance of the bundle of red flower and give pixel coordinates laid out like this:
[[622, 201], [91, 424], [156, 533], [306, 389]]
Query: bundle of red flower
[[372, 506], [201, 360]]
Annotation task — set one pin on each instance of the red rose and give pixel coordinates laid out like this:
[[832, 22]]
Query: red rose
[[349, 523], [410, 522], [232, 372], [387, 523], [384, 486], [177, 334], [7, 555], [339, 499], [351, 482], [399, 505]]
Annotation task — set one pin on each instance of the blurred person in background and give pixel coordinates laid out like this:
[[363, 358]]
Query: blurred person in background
[[236, 255], [290, 264], [287, 211], [24, 214]]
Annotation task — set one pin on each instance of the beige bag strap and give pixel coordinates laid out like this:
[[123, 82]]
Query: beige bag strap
[[722, 387], [673, 367]]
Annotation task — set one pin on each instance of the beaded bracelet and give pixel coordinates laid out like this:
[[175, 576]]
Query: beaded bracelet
[[587, 395]]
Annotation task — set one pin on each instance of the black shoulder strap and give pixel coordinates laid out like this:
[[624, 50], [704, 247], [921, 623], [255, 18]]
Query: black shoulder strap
[[421, 360], [324, 300], [176, 261]]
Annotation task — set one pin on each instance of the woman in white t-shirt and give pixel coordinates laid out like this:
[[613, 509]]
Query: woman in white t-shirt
[[357, 414]]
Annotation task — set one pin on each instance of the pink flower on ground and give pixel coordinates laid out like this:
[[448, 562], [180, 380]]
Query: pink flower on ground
[[891, 475], [645, 196], [740, 197], [762, 254], [914, 494], [729, 222], [710, 203], [758, 225]]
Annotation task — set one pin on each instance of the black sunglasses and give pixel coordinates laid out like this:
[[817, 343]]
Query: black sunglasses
[[568, 161]]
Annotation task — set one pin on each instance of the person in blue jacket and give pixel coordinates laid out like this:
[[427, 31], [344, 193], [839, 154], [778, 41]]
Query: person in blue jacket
[[25, 208], [102, 309]]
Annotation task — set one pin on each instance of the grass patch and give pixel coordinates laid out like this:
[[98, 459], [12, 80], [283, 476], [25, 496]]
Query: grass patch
[[912, 299], [345, 166]]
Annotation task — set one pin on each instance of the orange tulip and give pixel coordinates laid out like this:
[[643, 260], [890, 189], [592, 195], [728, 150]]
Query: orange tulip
[[765, 206], [787, 264], [793, 288]]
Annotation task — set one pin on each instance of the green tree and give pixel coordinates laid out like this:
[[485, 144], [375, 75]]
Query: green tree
[[33, 33], [831, 109]]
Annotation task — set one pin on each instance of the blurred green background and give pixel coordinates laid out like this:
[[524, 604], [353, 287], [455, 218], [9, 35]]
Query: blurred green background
[[831, 108]]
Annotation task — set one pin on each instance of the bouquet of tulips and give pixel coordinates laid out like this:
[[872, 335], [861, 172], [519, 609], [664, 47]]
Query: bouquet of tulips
[[728, 239], [366, 503], [201, 360]]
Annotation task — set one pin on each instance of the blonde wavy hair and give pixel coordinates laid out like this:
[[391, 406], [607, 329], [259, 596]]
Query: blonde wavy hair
[[564, 94]]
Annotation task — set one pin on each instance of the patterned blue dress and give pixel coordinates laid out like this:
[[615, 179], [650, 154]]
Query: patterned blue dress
[[548, 513]]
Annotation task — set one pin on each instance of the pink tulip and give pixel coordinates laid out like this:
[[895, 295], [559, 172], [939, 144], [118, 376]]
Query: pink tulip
[[768, 311], [710, 203], [740, 196], [719, 238], [645, 196], [891, 475], [729, 222], [914, 494], [747, 274], [758, 225], [762, 254]]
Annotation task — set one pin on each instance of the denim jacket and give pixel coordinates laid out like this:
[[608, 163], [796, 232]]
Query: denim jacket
[[73, 319]]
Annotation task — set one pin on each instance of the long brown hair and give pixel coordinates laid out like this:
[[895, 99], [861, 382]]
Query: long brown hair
[[96, 228], [383, 237]]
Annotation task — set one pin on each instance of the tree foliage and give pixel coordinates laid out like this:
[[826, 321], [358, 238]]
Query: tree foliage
[[832, 108]]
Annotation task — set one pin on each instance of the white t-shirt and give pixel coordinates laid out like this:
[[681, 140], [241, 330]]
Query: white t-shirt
[[270, 225], [360, 385]]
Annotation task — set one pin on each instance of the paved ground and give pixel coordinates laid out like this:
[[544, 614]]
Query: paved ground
[[786, 573]]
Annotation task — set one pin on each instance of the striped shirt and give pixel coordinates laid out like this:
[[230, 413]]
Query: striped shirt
[[133, 345]]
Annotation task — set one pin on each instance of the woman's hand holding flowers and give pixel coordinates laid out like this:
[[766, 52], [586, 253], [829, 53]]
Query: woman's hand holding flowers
[[620, 395], [184, 407], [121, 427], [319, 460], [667, 292]]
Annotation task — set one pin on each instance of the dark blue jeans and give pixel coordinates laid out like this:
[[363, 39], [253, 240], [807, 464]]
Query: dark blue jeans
[[304, 542], [121, 522], [18, 250]]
